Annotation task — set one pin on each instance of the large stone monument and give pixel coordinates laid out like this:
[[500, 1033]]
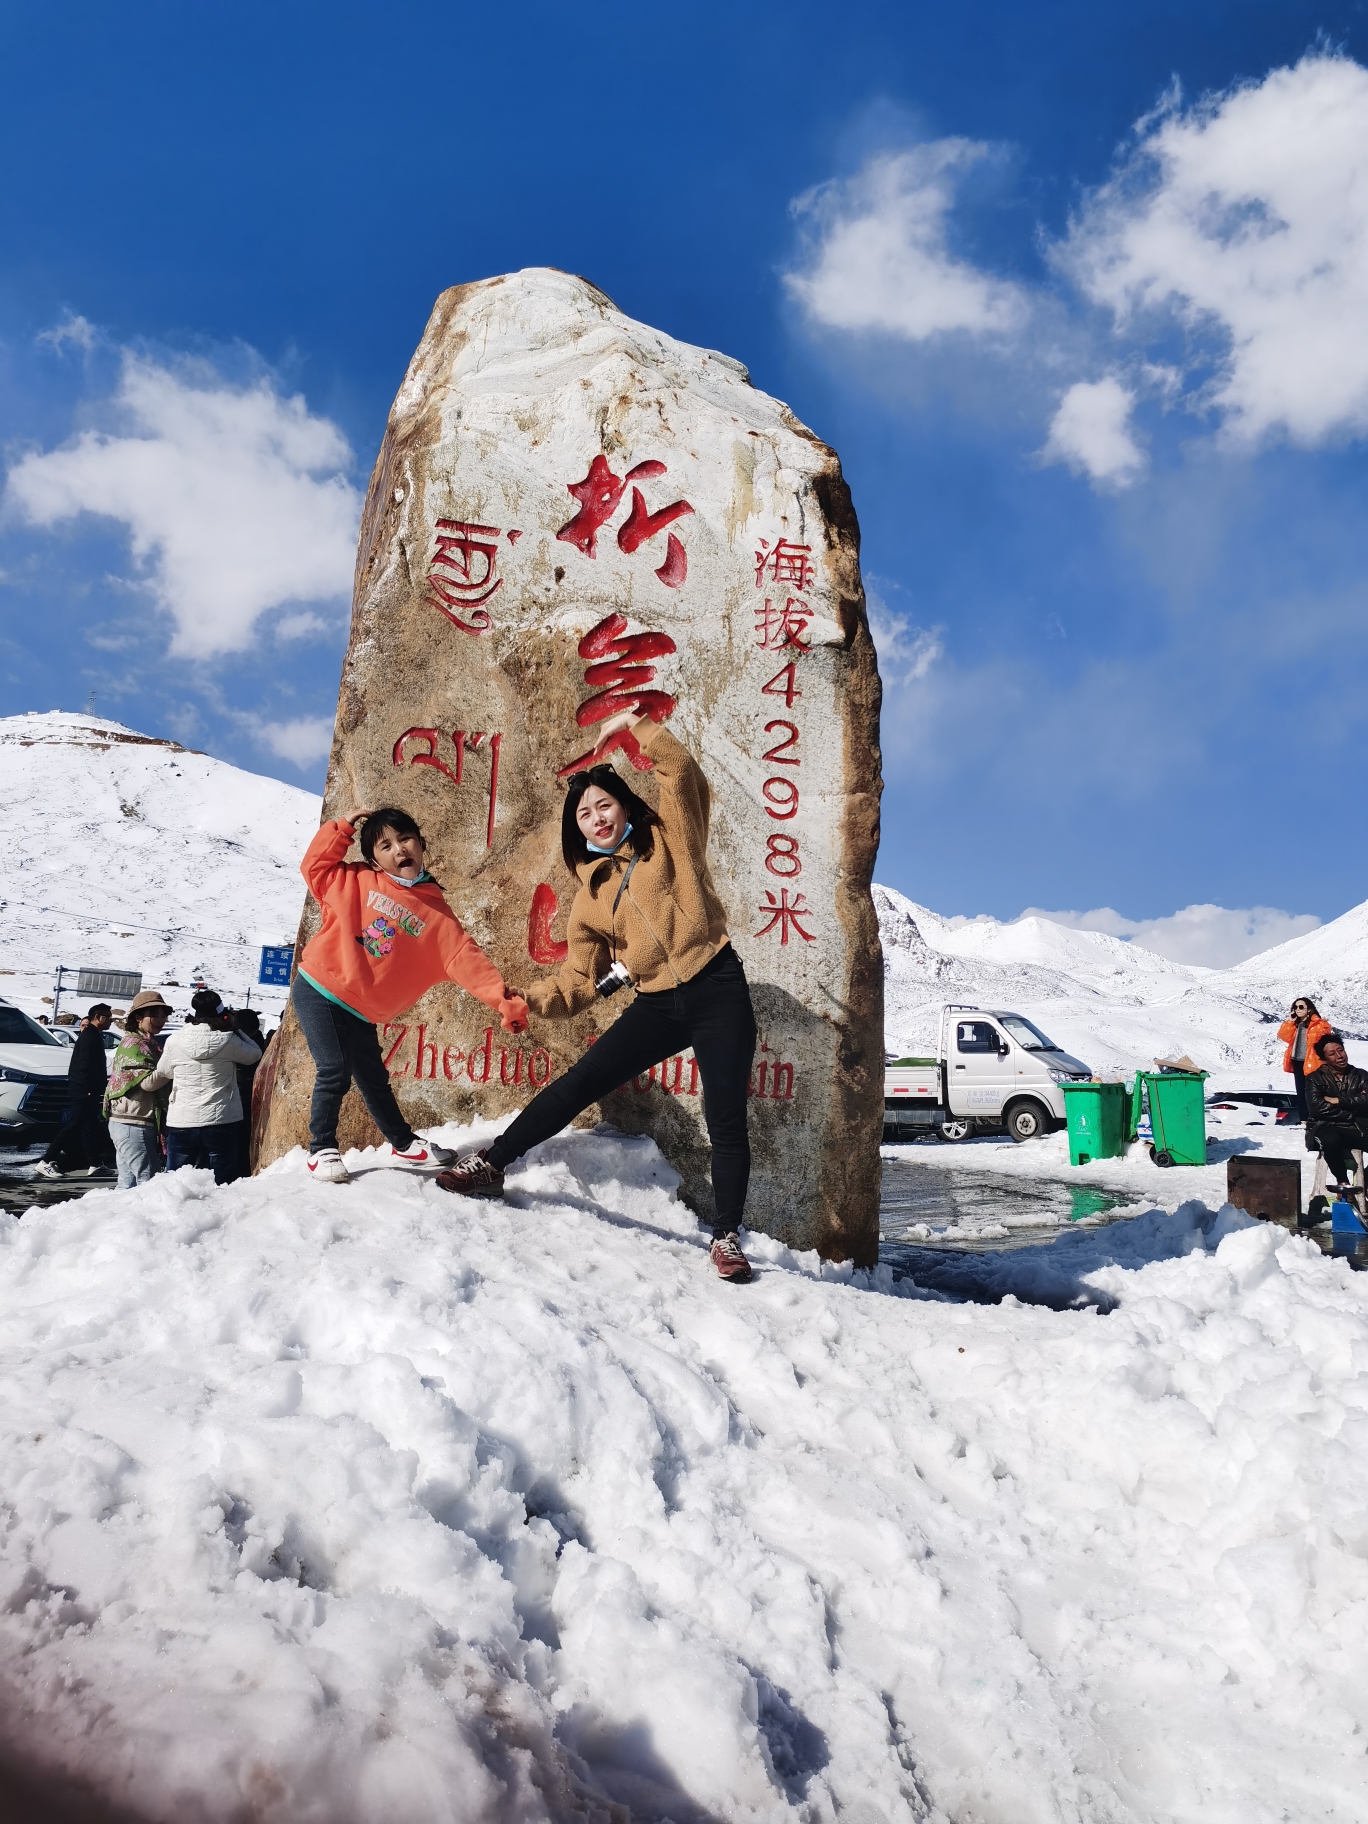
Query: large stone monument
[[572, 514]]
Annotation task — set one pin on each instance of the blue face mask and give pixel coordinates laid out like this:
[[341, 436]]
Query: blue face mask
[[594, 848]]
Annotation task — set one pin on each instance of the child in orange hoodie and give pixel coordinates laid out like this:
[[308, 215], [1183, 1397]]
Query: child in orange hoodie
[[388, 935]]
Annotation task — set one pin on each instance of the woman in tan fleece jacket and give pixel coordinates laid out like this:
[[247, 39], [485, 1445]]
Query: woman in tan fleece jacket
[[646, 913]]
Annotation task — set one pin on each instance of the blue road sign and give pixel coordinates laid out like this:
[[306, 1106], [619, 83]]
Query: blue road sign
[[277, 960]]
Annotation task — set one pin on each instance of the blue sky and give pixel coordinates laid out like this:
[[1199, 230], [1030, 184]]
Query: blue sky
[[1076, 291]]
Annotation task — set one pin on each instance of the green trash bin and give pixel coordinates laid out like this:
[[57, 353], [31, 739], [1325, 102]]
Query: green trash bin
[[1098, 1117], [1177, 1114]]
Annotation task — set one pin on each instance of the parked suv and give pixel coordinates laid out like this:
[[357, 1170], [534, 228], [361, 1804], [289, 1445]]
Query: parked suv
[[33, 1079]]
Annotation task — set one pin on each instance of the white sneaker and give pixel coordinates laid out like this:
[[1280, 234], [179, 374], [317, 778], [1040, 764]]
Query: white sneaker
[[326, 1164], [46, 1169], [424, 1152]]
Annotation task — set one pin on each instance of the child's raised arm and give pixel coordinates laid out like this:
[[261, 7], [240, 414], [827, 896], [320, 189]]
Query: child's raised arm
[[323, 857]]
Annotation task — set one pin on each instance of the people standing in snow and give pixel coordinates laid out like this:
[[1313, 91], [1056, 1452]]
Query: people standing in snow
[[388, 935], [646, 913], [205, 1111], [137, 1115], [1337, 1111], [1299, 1033], [83, 1138]]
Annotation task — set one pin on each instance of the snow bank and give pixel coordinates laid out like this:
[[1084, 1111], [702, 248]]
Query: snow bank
[[367, 1502]]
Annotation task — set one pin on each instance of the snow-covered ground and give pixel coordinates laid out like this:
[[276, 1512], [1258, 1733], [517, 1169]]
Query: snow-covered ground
[[369, 1503], [1111, 1003], [123, 851], [366, 1502]]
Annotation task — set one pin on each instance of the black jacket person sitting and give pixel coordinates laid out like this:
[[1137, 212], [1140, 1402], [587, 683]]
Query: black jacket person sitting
[[1337, 1107]]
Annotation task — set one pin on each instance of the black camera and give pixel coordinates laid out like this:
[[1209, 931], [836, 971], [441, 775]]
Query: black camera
[[613, 978]]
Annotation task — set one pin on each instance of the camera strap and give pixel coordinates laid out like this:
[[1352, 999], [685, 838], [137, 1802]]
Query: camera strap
[[617, 901], [623, 885]]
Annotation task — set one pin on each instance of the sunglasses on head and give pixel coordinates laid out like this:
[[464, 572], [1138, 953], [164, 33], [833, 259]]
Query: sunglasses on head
[[595, 775]]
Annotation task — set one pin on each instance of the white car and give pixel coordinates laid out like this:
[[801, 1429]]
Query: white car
[[33, 1078]]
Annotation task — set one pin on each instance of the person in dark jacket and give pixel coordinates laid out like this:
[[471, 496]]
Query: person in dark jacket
[[83, 1138], [1337, 1111], [247, 1021]]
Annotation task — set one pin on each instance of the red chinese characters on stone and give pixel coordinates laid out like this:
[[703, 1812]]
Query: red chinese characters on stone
[[779, 625], [785, 915], [600, 494], [619, 677], [463, 743], [541, 946], [785, 563], [461, 576]]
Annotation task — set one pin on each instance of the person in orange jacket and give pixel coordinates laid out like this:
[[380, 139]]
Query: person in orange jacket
[[1299, 1032], [388, 935]]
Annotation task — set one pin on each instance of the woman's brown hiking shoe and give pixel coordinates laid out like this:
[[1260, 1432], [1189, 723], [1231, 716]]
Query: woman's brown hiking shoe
[[473, 1176], [725, 1254]]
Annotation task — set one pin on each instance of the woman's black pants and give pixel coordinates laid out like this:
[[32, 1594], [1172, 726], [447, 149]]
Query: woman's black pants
[[711, 1013], [1299, 1079]]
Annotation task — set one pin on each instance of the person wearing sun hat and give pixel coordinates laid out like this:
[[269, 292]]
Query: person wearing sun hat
[[137, 1115]]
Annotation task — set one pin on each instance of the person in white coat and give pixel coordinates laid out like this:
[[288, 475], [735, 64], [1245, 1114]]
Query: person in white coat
[[204, 1117]]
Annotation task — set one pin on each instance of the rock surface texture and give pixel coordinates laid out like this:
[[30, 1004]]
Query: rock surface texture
[[572, 514]]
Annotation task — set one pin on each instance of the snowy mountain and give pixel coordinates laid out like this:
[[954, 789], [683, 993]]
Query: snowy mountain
[[124, 851], [1110, 1002]]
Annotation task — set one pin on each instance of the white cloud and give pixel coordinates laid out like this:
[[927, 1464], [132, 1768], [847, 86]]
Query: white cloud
[[76, 330], [306, 739], [1090, 432], [1214, 937], [1247, 216], [882, 260], [236, 499], [301, 626], [906, 653]]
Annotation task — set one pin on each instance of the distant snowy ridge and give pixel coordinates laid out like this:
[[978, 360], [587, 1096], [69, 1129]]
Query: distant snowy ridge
[[126, 851], [1112, 1003]]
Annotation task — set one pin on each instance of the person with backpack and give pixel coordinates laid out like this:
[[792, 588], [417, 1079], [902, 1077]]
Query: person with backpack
[[648, 916], [204, 1115], [136, 1114], [388, 935]]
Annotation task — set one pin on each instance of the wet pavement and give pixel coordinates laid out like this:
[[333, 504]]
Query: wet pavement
[[20, 1190], [924, 1206], [929, 1213]]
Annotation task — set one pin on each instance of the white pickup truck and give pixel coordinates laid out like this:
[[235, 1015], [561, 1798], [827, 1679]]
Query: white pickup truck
[[993, 1072]]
